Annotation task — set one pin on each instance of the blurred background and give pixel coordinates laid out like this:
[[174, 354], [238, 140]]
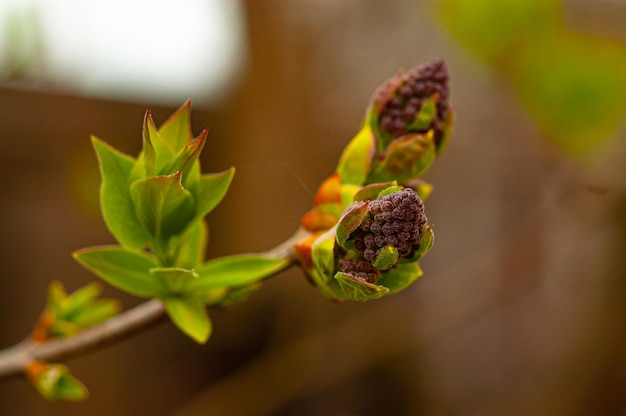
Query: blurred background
[[521, 309]]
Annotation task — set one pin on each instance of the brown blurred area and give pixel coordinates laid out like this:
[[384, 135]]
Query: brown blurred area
[[521, 310]]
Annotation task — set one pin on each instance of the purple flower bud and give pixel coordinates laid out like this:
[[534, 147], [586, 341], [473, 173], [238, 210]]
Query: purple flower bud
[[370, 254]]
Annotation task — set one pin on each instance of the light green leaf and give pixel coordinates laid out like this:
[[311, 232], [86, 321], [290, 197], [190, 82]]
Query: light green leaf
[[323, 258], [176, 130], [191, 245], [356, 160], [117, 206], [162, 205], [322, 255], [387, 257], [83, 296], [56, 383], [163, 153], [184, 162], [359, 290], [56, 298], [190, 316], [425, 117], [400, 277], [96, 312], [175, 279], [125, 269], [211, 190], [237, 270], [350, 220], [372, 191], [407, 157]]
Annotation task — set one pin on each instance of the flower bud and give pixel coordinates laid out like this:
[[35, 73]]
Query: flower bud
[[374, 248], [407, 125], [414, 102], [391, 226]]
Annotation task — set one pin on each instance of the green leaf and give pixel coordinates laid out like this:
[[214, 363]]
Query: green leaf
[[162, 205], [191, 245], [56, 298], [400, 277], [117, 206], [125, 269], [211, 190], [187, 157], [323, 258], [407, 157], [350, 220], [237, 270], [175, 279], [389, 190], [163, 153], [190, 316], [56, 383], [176, 130], [356, 160], [426, 115], [387, 257], [372, 191], [97, 312], [359, 290], [83, 296], [146, 163]]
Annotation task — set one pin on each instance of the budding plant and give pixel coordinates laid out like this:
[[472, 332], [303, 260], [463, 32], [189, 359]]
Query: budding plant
[[362, 239]]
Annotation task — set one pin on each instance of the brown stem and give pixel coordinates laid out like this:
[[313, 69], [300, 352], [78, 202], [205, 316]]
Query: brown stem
[[14, 359]]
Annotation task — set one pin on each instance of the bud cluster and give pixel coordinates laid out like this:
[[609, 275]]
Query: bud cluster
[[396, 220], [401, 108], [360, 269]]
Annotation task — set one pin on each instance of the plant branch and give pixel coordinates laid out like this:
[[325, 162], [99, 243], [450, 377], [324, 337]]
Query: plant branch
[[14, 359]]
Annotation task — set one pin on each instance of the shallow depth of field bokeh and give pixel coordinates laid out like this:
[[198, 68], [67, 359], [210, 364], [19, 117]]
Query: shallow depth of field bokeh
[[521, 310]]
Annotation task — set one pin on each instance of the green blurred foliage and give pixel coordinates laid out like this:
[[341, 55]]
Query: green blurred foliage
[[573, 84]]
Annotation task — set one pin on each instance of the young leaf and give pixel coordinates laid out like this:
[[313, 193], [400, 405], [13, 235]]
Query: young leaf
[[387, 257], [211, 190], [163, 153], [359, 290], [372, 191], [187, 157], [351, 220], [54, 382], [117, 206], [356, 160], [190, 316], [323, 256], [162, 205], [97, 312], [192, 245], [407, 157], [400, 277], [237, 270], [175, 279], [176, 129], [125, 269]]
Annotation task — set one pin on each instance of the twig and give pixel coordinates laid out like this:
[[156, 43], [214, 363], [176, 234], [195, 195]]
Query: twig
[[14, 359]]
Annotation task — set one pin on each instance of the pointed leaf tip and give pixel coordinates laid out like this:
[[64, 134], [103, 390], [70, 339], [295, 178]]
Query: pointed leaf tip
[[190, 316]]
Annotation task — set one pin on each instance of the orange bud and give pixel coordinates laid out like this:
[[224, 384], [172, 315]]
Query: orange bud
[[329, 191]]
